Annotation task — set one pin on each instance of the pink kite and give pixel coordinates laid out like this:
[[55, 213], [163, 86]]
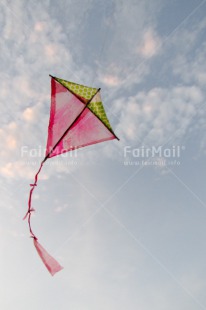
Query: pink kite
[[77, 119]]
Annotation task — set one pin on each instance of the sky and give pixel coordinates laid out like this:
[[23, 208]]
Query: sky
[[125, 218]]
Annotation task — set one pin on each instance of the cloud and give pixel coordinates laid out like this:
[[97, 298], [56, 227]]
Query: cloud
[[39, 26], [185, 50], [31, 45], [123, 52], [156, 116], [150, 44], [18, 169], [11, 142], [28, 114], [8, 138], [32, 114], [191, 72], [110, 80]]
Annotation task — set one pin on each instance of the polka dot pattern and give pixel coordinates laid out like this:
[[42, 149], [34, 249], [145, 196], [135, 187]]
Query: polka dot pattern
[[81, 90], [98, 109], [88, 92]]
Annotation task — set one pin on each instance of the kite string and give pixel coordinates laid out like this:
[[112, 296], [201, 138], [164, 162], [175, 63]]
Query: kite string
[[30, 209]]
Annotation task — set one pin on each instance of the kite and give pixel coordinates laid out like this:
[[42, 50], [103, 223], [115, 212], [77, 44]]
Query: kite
[[77, 119]]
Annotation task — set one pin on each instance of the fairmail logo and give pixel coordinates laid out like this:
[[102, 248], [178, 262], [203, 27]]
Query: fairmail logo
[[153, 152], [40, 151]]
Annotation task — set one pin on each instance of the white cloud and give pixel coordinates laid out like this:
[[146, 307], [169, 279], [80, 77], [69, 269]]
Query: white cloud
[[18, 169], [28, 114], [11, 142], [39, 26], [157, 116], [32, 114], [191, 72], [149, 45], [110, 80], [187, 49], [9, 139], [30, 48]]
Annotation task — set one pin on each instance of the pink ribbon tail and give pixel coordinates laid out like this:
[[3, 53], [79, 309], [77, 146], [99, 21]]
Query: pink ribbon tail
[[51, 264]]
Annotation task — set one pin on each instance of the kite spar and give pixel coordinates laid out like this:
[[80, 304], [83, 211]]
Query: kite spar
[[77, 119]]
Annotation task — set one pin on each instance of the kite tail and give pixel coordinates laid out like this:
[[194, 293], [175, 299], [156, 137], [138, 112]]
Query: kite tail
[[51, 264], [30, 209]]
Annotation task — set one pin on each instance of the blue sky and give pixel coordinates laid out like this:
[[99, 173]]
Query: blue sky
[[129, 230]]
